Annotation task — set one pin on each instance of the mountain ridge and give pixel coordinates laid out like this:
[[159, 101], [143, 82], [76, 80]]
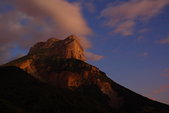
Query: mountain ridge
[[69, 71]]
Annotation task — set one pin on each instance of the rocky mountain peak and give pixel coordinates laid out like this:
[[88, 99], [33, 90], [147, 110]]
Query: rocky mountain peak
[[52, 40], [67, 48], [72, 37]]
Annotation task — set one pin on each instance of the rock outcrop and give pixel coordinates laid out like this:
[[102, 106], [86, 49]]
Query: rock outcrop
[[67, 48]]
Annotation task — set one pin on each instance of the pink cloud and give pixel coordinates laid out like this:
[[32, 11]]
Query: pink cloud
[[141, 37], [165, 72], [164, 41], [160, 90], [125, 28], [92, 56], [66, 18], [143, 30], [131, 11]]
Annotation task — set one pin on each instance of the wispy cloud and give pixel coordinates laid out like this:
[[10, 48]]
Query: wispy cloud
[[94, 57], [123, 16], [165, 72], [159, 90], [164, 41], [126, 28], [140, 37]]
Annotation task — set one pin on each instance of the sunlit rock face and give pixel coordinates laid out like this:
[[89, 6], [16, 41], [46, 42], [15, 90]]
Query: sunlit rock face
[[67, 48], [61, 63]]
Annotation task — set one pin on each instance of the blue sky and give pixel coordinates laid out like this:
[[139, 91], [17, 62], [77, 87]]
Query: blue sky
[[129, 39]]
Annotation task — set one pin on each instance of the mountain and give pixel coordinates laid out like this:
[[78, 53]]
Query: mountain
[[68, 48], [54, 76]]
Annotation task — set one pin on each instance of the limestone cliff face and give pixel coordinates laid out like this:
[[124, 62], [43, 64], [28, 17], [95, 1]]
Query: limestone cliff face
[[67, 48], [61, 63]]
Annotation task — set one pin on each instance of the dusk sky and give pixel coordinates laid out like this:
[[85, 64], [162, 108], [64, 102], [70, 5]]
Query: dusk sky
[[126, 39]]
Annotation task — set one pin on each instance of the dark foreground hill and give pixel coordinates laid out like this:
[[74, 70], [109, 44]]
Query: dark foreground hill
[[21, 93], [52, 80]]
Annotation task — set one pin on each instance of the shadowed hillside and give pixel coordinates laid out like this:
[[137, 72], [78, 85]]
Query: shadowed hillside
[[20, 93]]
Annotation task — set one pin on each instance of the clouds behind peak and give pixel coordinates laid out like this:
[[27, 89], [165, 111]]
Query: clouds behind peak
[[124, 15], [93, 57], [31, 21], [59, 15]]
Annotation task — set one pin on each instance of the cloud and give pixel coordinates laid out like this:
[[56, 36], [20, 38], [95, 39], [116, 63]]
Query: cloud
[[164, 41], [123, 16], [92, 56], [140, 37], [31, 21], [62, 17], [125, 28], [160, 90], [165, 72]]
